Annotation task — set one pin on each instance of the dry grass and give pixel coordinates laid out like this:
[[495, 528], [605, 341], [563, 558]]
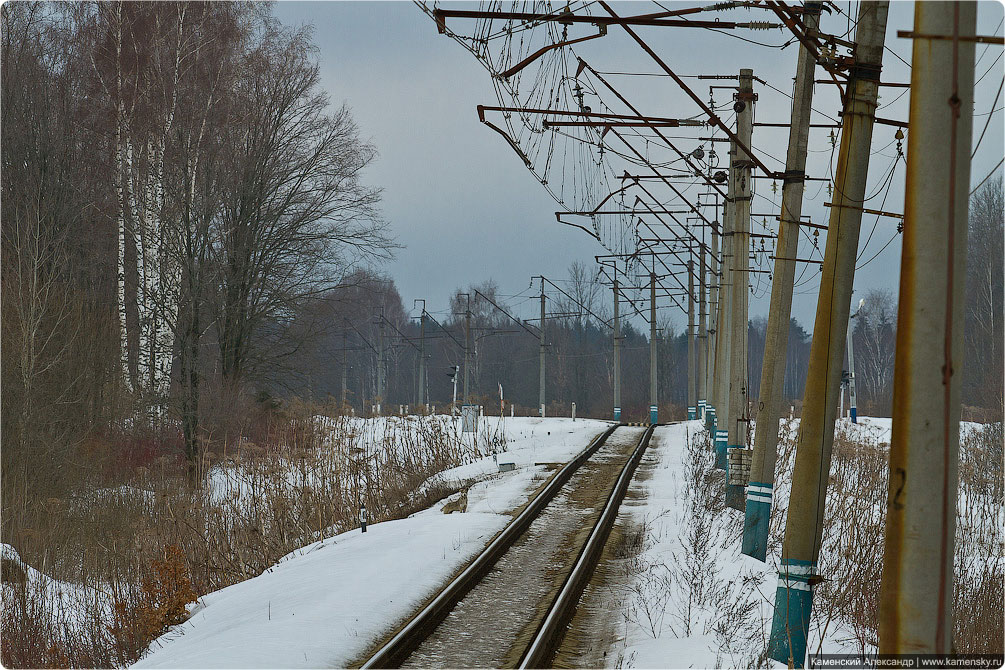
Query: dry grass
[[150, 539], [677, 592], [846, 604]]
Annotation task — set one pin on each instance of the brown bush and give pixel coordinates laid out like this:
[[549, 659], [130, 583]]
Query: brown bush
[[162, 601]]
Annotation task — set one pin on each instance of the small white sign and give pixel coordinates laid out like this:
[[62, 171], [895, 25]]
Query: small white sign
[[469, 418]]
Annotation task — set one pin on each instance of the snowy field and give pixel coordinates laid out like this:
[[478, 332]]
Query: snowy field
[[326, 604]]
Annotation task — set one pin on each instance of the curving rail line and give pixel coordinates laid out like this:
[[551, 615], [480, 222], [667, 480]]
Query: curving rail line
[[548, 633]]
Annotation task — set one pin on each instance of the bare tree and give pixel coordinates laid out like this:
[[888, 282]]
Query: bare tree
[[49, 323], [296, 217], [983, 330], [875, 345]]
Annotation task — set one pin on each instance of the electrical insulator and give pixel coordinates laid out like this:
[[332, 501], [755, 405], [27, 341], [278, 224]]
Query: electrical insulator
[[759, 25], [830, 190], [833, 138], [774, 187]]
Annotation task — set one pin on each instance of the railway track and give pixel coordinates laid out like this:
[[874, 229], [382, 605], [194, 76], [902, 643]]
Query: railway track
[[510, 606]]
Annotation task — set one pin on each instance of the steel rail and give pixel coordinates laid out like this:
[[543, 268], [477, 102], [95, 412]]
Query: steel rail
[[392, 653], [544, 644]]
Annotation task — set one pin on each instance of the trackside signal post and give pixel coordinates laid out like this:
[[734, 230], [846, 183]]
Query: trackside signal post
[[801, 544], [769, 408], [916, 597]]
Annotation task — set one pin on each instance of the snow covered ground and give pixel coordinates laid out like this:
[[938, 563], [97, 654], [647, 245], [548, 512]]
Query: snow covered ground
[[694, 599], [69, 602], [326, 604]]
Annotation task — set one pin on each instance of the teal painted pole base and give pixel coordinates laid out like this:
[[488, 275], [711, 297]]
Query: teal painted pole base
[[854, 414], [710, 419], [756, 520], [690, 413], [617, 414], [720, 449], [791, 622], [652, 414]]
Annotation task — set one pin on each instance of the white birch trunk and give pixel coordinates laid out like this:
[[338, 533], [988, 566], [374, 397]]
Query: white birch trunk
[[120, 175]]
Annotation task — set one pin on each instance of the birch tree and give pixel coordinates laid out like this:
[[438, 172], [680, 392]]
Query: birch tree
[[147, 55]]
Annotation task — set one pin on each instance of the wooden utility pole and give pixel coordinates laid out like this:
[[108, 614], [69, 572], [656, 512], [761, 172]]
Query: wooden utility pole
[[801, 545], [692, 406], [617, 350], [702, 336], [653, 398], [540, 399], [740, 176], [916, 598], [776, 339]]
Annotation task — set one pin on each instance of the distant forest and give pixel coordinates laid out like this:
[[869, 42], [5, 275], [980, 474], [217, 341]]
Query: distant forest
[[579, 347]]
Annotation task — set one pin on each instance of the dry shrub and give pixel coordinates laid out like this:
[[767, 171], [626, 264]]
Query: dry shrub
[[39, 630], [852, 544], [685, 591], [161, 602], [846, 603], [979, 598], [301, 478]]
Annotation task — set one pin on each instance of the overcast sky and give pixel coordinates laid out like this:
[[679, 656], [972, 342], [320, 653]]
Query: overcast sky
[[466, 209]]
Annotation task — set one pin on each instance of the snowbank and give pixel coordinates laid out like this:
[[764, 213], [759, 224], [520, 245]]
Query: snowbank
[[326, 604]]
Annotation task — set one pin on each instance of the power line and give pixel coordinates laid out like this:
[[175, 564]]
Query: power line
[[988, 122], [993, 170]]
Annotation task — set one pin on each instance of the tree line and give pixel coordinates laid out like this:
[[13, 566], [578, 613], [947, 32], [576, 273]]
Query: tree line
[[579, 348], [177, 189]]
